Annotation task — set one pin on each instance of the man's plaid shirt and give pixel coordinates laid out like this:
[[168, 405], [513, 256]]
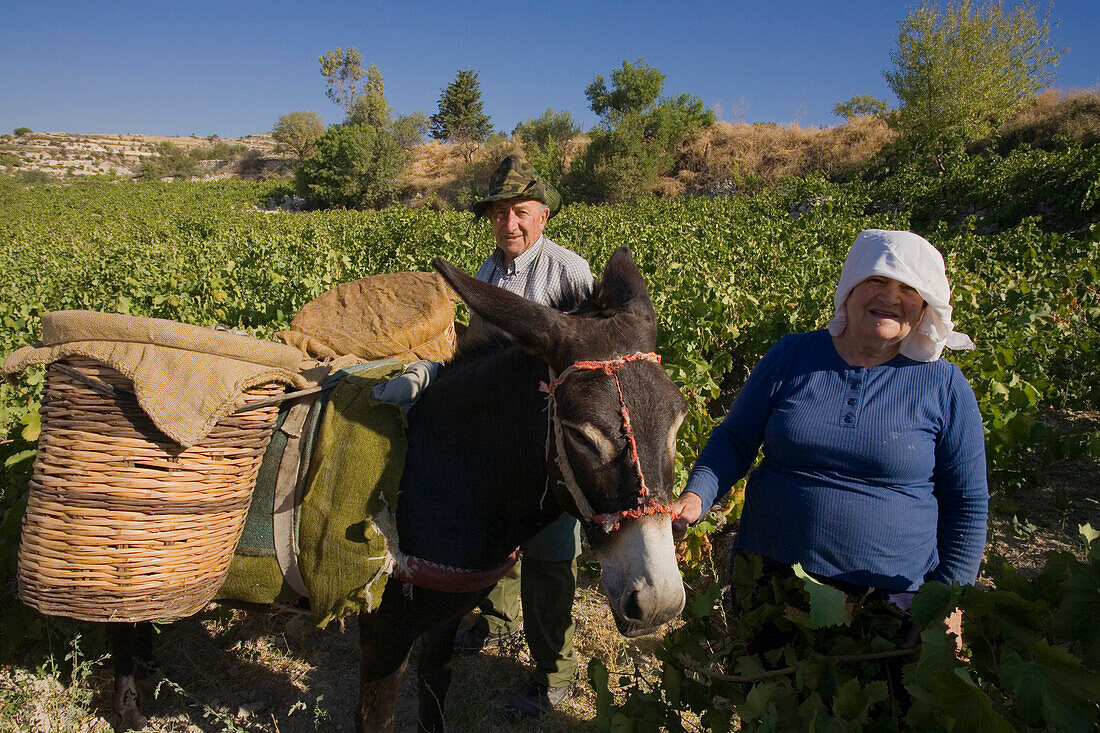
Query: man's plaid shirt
[[542, 273]]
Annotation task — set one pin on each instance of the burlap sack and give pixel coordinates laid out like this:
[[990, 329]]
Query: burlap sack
[[402, 316]]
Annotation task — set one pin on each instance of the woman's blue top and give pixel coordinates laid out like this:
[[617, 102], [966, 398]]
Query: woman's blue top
[[870, 475]]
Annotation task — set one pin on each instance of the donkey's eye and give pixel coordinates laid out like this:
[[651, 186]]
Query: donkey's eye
[[590, 439]]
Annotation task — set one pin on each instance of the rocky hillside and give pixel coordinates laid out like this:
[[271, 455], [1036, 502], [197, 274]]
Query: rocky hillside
[[69, 155]]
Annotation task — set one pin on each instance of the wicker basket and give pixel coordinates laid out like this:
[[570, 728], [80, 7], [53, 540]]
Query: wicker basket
[[122, 524]]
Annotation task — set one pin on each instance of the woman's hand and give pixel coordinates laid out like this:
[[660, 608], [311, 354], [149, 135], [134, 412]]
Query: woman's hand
[[952, 624], [687, 510]]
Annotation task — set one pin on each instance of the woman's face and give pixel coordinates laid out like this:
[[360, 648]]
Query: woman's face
[[882, 312]]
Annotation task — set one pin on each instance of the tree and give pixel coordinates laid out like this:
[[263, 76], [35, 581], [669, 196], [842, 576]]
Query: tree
[[546, 142], [410, 129], [342, 70], [638, 136], [553, 127], [460, 118], [636, 88], [860, 105], [354, 167], [961, 71], [295, 133], [370, 108]]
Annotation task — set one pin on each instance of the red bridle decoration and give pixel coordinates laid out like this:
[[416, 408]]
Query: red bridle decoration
[[646, 504]]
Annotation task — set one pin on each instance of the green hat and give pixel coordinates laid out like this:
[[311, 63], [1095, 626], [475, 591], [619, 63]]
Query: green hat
[[516, 180]]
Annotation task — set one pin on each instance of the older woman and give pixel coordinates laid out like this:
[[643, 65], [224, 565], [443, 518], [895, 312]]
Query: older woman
[[873, 472]]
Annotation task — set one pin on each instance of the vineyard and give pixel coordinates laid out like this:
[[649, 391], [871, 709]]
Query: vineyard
[[728, 277]]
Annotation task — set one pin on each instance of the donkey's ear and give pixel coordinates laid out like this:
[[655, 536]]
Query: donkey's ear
[[532, 324], [622, 286], [622, 283]]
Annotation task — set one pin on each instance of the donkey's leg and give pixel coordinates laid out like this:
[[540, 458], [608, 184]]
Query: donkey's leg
[[131, 647], [385, 637], [434, 672]]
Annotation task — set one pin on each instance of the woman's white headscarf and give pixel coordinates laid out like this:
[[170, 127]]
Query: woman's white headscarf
[[910, 259]]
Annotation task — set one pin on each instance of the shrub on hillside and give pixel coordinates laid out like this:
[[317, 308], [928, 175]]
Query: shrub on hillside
[[620, 164], [170, 161], [21, 131], [546, 143], [353, 167], [34, 177]]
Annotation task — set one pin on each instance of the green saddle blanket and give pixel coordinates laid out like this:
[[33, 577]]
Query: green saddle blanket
[[353, 454]]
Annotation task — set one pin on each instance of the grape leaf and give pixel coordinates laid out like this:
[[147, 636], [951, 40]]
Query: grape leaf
[[827, 607], [1053, 688], [971, 709]]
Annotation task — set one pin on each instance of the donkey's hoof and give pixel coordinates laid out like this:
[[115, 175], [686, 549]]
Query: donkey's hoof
[[130, 716]]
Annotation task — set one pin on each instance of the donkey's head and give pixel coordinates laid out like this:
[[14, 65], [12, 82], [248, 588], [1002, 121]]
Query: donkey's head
[[613, 416]]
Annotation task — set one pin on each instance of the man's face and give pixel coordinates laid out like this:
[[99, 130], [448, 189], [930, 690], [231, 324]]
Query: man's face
[[517, 225]]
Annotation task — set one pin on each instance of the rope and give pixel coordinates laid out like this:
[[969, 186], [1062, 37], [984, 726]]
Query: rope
[[647, 506]]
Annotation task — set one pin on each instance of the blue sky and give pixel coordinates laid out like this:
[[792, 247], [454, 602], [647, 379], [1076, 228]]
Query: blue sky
[[231, 68]]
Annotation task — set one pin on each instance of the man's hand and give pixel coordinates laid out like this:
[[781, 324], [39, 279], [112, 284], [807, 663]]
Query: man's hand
[[405, 388], [688, 508]]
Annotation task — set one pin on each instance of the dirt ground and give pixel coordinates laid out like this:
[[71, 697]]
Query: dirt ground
[[272, 670]]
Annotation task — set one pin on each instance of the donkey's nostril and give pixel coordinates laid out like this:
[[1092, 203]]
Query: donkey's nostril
[[632, 609]]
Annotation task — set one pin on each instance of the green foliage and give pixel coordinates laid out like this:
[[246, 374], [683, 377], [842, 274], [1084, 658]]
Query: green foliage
[[460, 118], [371, 108], [782, 664], [21, 131], [635, 88], [639, 135], [859, 105], [991, 193], [11, 160], [410, 129], [342, 70], [552, 127], [353, 167], [960, 71], [545, 142], [296, 132], [170, 161]]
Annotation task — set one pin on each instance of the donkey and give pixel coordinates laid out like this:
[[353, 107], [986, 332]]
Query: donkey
[[573, 414]]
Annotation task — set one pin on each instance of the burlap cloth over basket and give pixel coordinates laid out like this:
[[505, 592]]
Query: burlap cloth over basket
[[139, 497]]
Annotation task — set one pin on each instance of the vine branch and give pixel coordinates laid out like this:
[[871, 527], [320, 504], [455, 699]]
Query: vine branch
[[722, 677]]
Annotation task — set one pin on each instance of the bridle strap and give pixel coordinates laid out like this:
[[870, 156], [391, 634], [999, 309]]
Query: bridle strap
[[646, 505]]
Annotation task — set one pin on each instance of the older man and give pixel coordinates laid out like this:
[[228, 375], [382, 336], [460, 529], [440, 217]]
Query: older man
[[525, 262]]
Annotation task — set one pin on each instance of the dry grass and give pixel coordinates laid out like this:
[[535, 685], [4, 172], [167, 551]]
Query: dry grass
[[443, 175], [738, 154], [1054, 119]]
